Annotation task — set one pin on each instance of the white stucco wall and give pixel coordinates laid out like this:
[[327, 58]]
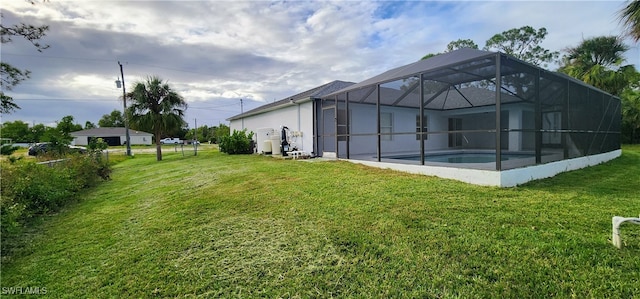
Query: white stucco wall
[[137, 140], [80, 140], [297, 117], [520, 176], [363, 121], [506, 178]]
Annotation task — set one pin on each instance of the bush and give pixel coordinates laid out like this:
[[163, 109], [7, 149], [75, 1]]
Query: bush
[[8, 149], [30, 189], [11, 213], [39, 188], [237, 143], [97, 146], [88, 171]]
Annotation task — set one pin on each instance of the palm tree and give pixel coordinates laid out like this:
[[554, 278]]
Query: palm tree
[[630, 18], [156, 107], [599, 61], [631, 112]]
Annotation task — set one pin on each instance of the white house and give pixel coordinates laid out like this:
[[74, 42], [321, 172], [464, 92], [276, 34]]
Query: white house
[[112, 136], [476, 116], [294, 112]]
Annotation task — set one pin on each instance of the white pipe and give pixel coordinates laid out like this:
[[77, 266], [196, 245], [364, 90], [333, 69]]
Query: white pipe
[[616, 221], [299, 129]]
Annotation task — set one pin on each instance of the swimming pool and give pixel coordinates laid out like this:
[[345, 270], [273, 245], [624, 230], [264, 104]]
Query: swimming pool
[[463, 157]]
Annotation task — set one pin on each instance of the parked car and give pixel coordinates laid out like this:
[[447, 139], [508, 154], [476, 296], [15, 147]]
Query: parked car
[[45, 147], [170, 141]]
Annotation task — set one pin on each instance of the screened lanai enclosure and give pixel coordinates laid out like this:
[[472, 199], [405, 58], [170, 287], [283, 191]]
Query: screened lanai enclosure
[[468, 109]]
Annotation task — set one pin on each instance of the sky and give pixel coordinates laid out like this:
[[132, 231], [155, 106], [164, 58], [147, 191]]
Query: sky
[[225, 57]]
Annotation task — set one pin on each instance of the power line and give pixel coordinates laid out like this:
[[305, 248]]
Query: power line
[[227, 105], [107, 100], [171, 69], [105, 61], [207, 109], [70, 100], [59, 57]]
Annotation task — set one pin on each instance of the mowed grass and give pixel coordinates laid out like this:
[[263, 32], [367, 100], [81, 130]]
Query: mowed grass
[[215, 225]]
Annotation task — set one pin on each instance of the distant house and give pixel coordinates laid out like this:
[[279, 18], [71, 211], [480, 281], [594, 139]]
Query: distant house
[[112, 136]]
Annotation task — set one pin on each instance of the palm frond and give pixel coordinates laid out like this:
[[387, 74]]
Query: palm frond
[[630, 19]]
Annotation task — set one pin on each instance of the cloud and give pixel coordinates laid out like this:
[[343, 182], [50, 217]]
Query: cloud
[[216, 52]]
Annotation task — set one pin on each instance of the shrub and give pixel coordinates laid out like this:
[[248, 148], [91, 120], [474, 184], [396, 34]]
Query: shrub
[[8, 149], [14, 159], [39, 188], [10, 215], [30, 189], [88, 170], [239, 142], [97, 147]]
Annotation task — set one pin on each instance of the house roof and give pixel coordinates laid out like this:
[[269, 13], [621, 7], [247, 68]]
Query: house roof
[[109, 131], [433, 63], [452, 80], [314, 93]]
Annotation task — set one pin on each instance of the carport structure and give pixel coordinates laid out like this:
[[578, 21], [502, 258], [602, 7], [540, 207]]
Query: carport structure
[[469, 109]]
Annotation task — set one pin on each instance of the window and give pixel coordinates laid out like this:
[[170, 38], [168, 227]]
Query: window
[[424, 127], [386, 125]]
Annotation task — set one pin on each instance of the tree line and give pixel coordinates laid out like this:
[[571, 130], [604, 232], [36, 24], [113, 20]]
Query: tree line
[[21, 132], [597, 61]]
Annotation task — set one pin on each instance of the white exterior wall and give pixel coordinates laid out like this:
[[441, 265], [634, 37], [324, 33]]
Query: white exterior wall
[[471, 118], [296, 117], [136, 140], [80, 140], [505, 178], [363, 121]]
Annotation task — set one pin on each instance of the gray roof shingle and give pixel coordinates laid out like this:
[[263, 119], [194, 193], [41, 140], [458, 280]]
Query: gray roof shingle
[[314, 93]]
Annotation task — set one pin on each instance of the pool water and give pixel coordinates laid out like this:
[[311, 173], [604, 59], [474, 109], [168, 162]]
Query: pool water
[[463, 157]]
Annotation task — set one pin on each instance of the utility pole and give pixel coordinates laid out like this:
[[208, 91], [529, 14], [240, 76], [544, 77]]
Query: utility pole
[[126, 117], [195, 138], [241, 112]]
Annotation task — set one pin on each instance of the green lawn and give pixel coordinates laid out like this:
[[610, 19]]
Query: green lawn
[[215, 225]]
